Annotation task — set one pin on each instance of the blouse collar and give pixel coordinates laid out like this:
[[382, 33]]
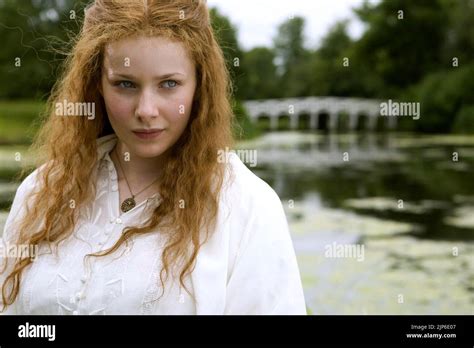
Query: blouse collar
[[106, 144]]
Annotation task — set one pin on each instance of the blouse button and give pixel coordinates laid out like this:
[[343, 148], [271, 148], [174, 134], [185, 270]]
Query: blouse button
[[79, 296], [118, 220], [75, 313], [84, 278], [114, 187]]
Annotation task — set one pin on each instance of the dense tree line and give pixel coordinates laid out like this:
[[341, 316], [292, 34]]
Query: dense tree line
[[410, 50]]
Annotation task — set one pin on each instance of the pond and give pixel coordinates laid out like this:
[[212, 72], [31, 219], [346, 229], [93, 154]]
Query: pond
[[408, 200], [381, 223]]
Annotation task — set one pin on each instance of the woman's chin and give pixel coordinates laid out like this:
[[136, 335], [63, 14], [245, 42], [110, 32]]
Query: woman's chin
[[148, 150]]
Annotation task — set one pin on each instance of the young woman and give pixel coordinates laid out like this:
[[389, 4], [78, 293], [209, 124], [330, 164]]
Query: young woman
[[134, 210]]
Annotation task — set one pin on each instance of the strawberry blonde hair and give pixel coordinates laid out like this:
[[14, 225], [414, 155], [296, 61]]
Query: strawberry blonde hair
[[68, 145]]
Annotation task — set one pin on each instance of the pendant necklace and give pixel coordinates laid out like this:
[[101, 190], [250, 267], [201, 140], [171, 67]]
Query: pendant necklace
[[129, 203]]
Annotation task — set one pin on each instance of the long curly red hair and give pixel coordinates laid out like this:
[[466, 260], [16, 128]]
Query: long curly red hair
[[68, 145]]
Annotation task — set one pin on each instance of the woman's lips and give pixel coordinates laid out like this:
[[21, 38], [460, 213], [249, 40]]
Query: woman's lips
[[148, 134]]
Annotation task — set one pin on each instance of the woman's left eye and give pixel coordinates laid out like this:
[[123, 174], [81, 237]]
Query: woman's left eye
[[170, 84]]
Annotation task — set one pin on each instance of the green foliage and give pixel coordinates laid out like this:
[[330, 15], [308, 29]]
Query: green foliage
[[263, 124], [332, 70], [464, 122], [261, 74], [19, 120], [336, 42], [242, 127], [460, 39], [404, 39], [442, 96], [294, 59], [289, 43], [32, 32], [226, 35]]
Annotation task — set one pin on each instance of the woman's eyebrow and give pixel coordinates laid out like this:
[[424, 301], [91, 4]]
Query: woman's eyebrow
[[165, 76]]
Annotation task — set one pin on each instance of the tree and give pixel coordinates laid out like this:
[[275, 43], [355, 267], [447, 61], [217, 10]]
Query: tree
[[261, 74], [445, 96], [226, 35], [459, 41], [293, 58], [403, 41], [333, 72], [336, 41], [29, 32], [289, 43]]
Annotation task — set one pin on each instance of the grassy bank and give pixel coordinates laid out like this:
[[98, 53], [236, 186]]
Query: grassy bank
[[18, 120]]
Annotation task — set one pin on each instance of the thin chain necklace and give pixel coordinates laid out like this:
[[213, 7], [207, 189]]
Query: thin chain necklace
[[129, 203]]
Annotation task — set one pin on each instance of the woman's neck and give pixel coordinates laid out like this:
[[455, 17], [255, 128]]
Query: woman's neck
[[139, 171]]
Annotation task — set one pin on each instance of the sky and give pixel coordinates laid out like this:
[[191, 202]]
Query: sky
[[257, 20]]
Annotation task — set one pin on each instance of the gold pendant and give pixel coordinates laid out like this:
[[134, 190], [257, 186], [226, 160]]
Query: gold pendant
[[127, 204]]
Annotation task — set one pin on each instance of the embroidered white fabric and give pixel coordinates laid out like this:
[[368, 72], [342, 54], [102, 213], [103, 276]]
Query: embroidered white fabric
[[248, 266]]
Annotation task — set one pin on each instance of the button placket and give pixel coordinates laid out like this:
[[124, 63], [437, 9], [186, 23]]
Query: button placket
[[78, 296], [113, 178], [108, 230]]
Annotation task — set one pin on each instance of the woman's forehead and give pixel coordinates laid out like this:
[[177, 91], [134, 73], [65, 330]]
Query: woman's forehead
[[150, 53]]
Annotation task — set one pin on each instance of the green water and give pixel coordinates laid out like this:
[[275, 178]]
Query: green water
[[406, 198]]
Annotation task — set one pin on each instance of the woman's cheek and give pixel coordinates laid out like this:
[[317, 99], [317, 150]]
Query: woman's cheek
[[119, 108], [186, 104], [177, 113]]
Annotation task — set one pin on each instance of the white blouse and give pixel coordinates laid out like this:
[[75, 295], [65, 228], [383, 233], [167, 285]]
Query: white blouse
[[248, 266]]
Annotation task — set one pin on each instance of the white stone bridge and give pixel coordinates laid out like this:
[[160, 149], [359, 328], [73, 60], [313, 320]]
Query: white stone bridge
[[323, 113]]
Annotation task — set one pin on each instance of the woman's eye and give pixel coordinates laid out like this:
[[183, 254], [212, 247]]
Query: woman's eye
[[125, 84], [170, 84]]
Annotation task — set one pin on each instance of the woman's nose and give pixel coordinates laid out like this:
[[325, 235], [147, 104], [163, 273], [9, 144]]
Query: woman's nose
[[148, 105]]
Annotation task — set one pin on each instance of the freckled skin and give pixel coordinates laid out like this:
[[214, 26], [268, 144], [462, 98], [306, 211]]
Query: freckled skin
[[143, 100]]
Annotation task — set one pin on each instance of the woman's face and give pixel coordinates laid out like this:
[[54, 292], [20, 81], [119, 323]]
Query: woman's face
[[148, 85]]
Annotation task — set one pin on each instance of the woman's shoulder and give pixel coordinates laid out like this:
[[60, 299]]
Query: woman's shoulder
[[20, 201], [30, 182], [246, 189], [246, 181]]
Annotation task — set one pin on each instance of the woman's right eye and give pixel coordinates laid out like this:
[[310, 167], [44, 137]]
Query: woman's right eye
[[125, 84]]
